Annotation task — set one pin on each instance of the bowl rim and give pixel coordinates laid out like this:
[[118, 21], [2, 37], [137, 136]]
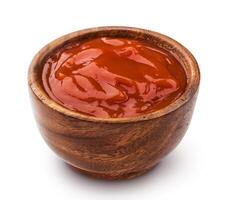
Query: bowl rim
[[193, 75]]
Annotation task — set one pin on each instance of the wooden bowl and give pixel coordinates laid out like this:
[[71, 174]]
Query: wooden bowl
[[113, 148]]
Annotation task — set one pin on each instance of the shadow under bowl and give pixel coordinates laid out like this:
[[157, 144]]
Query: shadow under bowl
[[113, 148]]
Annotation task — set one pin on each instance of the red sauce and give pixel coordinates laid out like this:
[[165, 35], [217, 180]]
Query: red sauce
[[113, 77]]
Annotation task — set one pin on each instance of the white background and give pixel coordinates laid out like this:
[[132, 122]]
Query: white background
[[196, 169]]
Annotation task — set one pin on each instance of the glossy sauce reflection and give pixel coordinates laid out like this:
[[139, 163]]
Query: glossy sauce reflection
[[113, 77]]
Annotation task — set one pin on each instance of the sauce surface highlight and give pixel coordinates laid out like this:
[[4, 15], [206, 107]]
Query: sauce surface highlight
[[113, 77]]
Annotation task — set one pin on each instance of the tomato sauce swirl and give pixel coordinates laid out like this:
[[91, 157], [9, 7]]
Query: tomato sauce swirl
[[113, 77]]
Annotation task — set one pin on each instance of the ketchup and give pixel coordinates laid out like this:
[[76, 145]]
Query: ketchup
[[113, 77]]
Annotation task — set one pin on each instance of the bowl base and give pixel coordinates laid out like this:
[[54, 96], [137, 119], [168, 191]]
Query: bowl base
[[123, 176]]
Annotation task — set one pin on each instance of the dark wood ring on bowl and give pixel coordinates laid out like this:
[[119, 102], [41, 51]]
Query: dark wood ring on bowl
[[113, 147]]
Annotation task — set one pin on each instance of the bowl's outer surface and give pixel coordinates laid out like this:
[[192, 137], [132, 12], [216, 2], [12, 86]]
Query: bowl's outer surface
[[111, 150]]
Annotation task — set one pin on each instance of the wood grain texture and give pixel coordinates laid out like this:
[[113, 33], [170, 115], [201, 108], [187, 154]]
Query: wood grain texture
[[116, 148]]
